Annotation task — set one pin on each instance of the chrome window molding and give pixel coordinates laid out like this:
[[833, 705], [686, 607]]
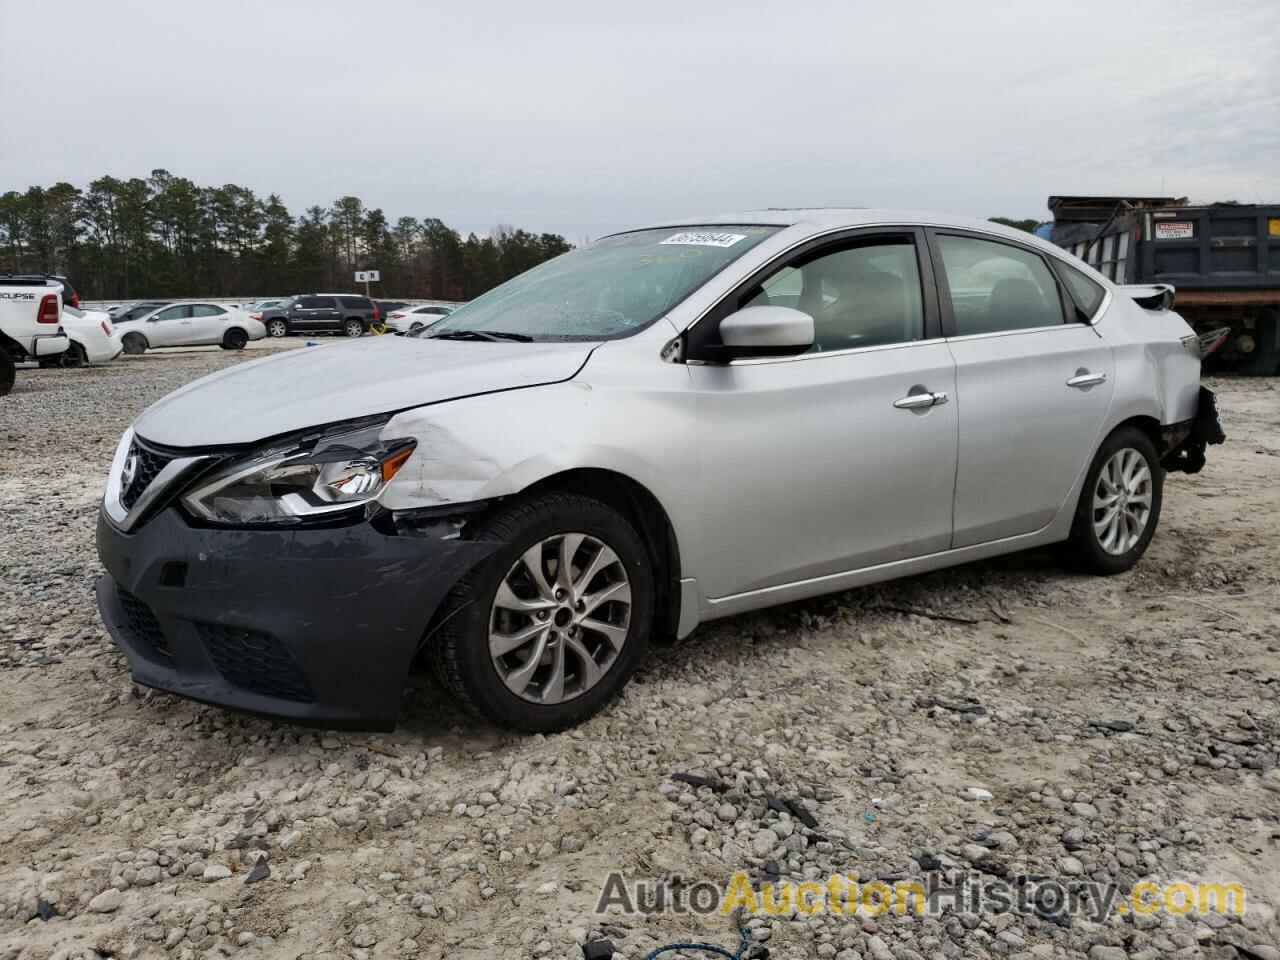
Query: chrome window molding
[[753, 361], [853, 230], [119, 515], [1102, 308]]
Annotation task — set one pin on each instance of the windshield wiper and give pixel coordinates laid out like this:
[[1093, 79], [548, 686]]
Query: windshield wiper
[[490, 336]]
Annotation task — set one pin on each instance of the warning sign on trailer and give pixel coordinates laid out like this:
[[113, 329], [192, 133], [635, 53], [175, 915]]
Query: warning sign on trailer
[[1175, 230]]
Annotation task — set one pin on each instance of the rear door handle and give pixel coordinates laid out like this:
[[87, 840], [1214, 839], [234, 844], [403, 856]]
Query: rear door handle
[[1086, 379], [916, 401]]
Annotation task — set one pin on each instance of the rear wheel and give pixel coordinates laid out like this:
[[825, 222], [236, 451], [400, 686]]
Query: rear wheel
[[73, 356], [277, 328], [1119, 506], [234, 339], [1264, 359], [7, 372], [134, 344], [353, 328], [549, 629]]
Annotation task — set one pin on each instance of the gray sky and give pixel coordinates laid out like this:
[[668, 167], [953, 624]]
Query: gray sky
[[582, 117]]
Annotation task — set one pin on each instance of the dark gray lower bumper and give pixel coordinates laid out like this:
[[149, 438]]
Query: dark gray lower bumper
[[317, 626]]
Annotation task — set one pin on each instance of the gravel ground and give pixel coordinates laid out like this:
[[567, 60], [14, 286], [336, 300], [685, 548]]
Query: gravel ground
[[1054, 726]]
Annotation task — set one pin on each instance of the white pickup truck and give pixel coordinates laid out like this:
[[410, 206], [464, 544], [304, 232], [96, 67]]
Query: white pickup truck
[[30, 322]]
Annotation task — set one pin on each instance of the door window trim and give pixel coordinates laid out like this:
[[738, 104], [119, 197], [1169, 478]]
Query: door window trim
[[1058, 266], [946, 310], [700, 331]]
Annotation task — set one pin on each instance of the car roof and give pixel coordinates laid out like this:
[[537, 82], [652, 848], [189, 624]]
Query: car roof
[[827, 218]]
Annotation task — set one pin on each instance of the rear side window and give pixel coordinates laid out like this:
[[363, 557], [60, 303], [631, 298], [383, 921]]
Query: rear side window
[[1086, 293], [355, 303], [206, 310], [314, 303], [996, 287]]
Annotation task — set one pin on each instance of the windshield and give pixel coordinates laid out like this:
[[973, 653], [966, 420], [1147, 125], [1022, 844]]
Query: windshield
[[612, 288]]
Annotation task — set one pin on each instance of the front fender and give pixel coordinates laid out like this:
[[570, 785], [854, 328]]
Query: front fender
[[496, 445]]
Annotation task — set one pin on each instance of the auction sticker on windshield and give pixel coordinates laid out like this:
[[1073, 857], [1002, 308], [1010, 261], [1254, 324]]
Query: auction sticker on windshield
[[702, 239]]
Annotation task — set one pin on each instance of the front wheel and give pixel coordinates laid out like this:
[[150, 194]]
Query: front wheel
[[353, 328], [277, 328], [134, 344], [549, 629], [1119, 506]]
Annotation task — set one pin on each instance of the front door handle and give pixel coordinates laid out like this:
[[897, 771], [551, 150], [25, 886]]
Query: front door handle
[[1084, 378], [917, 401]]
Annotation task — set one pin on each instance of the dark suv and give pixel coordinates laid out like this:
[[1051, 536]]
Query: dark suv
[[343, 313]]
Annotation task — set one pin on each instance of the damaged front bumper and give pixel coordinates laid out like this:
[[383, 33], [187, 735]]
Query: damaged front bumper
[[1186, 442], [318, 626]]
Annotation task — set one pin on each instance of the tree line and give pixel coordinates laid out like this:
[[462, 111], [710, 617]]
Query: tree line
[[167, 236]]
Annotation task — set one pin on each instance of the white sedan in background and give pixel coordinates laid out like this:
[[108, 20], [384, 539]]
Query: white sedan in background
[[191, 323], [413, 319], [93, 339]]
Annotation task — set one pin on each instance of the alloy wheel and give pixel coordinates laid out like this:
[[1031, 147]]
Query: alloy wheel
[[1122, 501], [354, 328], [560, 618], [278, 328]]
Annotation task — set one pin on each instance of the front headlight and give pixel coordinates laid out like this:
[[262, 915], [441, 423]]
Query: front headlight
[[296, 482]]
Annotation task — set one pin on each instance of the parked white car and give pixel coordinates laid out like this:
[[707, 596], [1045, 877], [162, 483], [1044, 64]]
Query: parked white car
[[413, 319], [190, 323], [93, 339]]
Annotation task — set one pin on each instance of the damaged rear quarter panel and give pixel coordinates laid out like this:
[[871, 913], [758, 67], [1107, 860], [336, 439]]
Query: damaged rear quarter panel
[[1161, 377]]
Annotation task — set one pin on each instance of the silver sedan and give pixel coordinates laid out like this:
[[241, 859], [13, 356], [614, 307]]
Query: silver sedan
[[671, 425]]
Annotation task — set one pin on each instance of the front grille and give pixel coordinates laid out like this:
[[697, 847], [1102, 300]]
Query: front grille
[[255, 661], [149, 466], [144, 628]]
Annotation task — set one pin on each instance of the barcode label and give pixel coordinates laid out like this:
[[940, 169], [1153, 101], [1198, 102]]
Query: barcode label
[[706, 239]]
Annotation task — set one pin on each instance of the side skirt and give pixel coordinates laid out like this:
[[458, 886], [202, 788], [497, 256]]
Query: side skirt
[[713, 608]]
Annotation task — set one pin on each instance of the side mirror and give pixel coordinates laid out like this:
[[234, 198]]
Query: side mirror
[[765, 332]]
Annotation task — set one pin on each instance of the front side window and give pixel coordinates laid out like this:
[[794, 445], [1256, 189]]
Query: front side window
[[996, 287], [314, 303], [612, 288], [180, 312], [866, 295]]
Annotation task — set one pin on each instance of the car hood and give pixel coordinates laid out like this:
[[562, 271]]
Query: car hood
[[311, 386]]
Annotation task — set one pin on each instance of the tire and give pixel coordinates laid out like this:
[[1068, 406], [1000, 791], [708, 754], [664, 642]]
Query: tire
[[353, 328], [135, 344], [277, 328], [415, 327], [1265, 359], [462, 657], [234, 339], [8, 373], [1114, 549], [74, 356]]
